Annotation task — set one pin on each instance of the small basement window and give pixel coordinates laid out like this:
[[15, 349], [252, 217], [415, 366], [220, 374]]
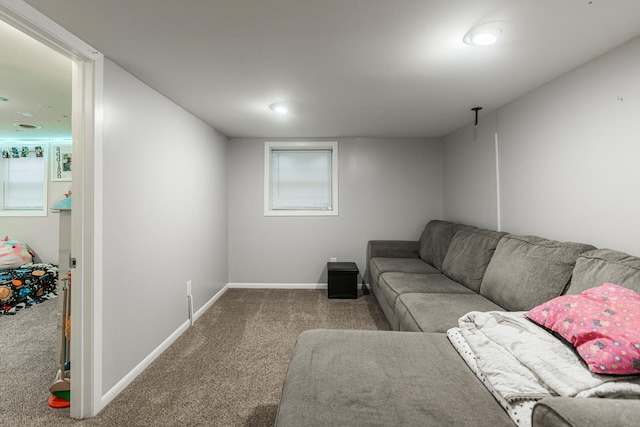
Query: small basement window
[[23, 180], [301, 178]]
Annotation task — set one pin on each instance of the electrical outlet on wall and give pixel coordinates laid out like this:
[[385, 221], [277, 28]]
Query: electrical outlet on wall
[[189, 288], [333, 259]]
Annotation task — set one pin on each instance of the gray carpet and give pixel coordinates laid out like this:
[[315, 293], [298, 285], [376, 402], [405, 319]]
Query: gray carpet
[[227, 370], [28, 363]]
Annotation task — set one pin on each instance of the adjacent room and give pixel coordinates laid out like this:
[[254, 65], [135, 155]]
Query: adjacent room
[[285, 212], [35, 141]]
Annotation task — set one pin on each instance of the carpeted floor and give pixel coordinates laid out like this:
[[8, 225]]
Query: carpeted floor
[[227, 370], [28, 363]]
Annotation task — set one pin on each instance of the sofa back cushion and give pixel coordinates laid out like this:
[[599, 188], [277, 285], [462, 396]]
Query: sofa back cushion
[[526, 271], [600, 266], [435, 240], [468, 256]]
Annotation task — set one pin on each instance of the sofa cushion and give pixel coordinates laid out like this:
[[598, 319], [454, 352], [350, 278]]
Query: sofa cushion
[[394, 284], [388, 249], [437, 312], [600, 324], [380, 378], [387, 309], [600, 266], [526, 271], [406, 265], [435, 240], [580, 412], [468, 256]]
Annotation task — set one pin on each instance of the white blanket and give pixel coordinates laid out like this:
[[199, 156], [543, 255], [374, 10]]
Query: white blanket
[[520, 411], [523, 361]]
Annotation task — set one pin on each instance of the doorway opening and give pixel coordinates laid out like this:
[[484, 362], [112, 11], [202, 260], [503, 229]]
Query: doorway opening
[[86, 107]]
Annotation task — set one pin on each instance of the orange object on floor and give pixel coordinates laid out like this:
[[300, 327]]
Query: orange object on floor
[[58, 402]]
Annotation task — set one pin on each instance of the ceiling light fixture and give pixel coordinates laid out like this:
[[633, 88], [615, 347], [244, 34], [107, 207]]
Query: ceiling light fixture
[[27, 126], [484, 34], [280, 107]]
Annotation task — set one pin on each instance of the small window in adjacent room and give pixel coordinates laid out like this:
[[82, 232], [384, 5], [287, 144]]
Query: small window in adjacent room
[[23, 180], [301, 178]]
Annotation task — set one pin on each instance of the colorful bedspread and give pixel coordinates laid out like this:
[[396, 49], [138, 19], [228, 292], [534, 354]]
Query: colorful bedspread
[[26, 286]]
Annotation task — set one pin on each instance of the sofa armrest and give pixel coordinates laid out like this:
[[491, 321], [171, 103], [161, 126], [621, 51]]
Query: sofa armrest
[[578, 412], [393, 249]]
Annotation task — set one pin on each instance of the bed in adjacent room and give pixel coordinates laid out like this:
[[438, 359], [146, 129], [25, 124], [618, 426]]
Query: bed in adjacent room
[[22, 282]]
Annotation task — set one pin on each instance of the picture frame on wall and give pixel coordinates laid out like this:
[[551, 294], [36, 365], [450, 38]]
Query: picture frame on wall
[[61, 166]]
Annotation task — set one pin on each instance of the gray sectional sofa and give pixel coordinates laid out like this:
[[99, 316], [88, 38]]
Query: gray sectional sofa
[[416, 377], [454, 269]]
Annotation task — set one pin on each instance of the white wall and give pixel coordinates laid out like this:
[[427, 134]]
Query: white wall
[[165, 219], [388, 189], [39, 232], [469, 175], [568, 157]]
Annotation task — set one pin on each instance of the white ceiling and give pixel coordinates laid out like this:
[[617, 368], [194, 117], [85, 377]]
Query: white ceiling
[[372, 68], [37, 83]]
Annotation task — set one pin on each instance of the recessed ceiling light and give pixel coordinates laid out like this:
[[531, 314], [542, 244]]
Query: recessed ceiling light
[[27, 126], [280, 107], [484, 34]]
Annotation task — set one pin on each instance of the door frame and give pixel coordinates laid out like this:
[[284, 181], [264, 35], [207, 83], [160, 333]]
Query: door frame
[[86, 216]]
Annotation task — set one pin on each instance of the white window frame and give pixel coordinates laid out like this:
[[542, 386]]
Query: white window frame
[[45, 180], [269, 147]]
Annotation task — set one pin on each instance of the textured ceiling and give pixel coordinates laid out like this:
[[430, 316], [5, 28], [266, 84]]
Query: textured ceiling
[[372, 68]]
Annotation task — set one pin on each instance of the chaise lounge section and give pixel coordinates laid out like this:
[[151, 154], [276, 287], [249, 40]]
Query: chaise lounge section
[[417, 377], [383, 378]]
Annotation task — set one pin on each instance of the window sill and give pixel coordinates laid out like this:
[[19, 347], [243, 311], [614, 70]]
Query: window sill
[[300, 213], [18, 213]]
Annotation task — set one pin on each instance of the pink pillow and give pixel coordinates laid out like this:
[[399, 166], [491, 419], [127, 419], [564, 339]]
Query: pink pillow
[[13, 254], [602, 323]]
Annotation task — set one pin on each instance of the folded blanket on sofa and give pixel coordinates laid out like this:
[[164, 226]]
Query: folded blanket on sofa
[[523, 361], [519, 411]]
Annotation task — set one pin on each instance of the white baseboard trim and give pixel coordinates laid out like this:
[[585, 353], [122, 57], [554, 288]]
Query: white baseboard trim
[[124, 382], [280, 286], [127, 379], [209, 303]]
